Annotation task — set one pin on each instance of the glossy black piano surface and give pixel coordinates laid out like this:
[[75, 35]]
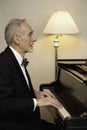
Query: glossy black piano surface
[[70, 89]]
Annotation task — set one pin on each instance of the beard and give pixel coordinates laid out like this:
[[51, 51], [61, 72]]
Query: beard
[[30, 50]]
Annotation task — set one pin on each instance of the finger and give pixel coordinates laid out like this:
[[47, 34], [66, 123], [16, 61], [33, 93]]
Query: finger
[[49, 94]]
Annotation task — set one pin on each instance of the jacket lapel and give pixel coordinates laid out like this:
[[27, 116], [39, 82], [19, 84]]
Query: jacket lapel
[[16, 64]]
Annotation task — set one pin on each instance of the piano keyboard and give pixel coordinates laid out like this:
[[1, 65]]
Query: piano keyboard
[[62, 111]]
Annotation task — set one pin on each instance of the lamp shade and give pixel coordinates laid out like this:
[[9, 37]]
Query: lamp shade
[[61, 22]]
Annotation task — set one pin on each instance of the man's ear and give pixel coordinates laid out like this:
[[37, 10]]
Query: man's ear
[[16, 39]]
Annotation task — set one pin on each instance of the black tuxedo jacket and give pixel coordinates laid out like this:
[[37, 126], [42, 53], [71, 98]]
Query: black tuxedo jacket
[[16, 101]]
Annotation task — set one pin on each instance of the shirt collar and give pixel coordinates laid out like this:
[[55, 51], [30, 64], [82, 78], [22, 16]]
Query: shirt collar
[[17, 55]]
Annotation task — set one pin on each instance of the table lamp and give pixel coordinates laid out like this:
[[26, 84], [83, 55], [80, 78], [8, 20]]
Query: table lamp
[[60, 23]]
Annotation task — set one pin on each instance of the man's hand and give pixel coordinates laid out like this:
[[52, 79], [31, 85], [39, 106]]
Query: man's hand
[[48, 101], [46, 98]]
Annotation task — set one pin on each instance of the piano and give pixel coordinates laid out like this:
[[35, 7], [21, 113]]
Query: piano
[[70, 89]]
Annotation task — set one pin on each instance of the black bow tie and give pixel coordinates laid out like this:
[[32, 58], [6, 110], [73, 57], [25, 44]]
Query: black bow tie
[[25, 62]]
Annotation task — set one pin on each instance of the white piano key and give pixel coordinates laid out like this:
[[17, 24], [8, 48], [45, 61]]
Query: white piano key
[[63, 113]]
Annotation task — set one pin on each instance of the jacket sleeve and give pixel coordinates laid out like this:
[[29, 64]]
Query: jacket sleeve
[[14, 98]]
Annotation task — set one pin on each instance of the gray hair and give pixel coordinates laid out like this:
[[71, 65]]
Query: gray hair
[[11, 29]]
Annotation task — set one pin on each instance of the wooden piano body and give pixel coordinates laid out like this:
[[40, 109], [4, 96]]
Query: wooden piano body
[[70, 89]]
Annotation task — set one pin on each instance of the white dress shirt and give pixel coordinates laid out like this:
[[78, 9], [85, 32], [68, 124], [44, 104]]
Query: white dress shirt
[[20, 59]]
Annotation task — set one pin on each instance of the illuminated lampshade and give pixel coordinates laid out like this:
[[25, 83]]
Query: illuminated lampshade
[[61, 22]]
